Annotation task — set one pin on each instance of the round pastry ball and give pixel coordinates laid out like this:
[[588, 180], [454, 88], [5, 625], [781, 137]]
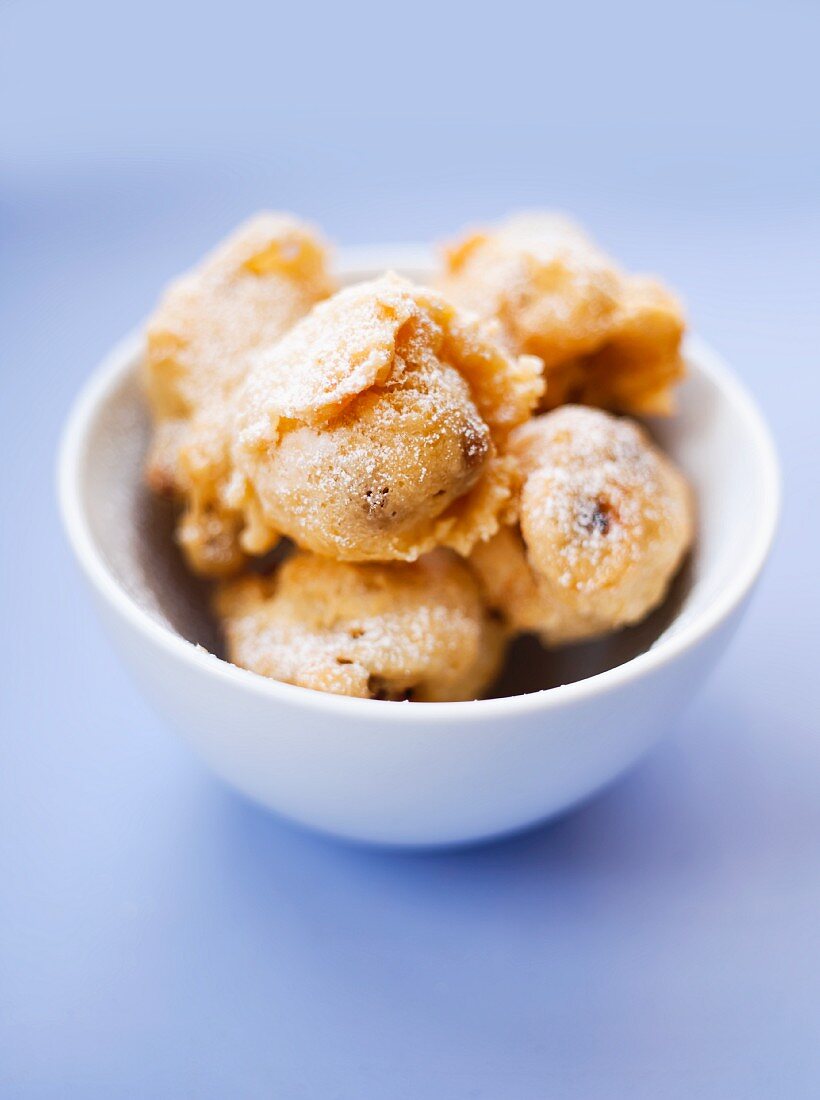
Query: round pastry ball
[[396, 630], [371, 482], [552, 290], [246, 294], [375, 430], [607, 338], [605, 521]]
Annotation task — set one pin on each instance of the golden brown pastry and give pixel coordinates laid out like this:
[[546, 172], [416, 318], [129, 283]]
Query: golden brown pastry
[[249, 291], [376, 428], [606, 338], [376, 631], [605, 521]]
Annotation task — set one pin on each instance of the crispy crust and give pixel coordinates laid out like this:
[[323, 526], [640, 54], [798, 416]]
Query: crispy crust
[[606, 338], [393, 631], [605, 521], [244, 295], [382, 391]]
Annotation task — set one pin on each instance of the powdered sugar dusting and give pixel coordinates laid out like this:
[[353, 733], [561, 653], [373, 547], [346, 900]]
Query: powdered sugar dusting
[[606, 338], [344, 346], [384, 631], [605, 519], [244, 295], [596, 487], [367, 432]]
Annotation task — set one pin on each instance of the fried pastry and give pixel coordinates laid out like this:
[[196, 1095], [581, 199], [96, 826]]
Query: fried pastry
[[376, 428], [376, 631], [606, 338], [605, 521], [246, 294]]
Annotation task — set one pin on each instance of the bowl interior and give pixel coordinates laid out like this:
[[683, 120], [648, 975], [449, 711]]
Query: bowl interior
[[712, 438]]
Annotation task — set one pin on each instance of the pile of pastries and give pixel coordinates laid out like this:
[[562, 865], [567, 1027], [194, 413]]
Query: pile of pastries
[[447, 465]]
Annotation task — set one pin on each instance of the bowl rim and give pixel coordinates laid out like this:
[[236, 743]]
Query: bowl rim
[[361, 262]]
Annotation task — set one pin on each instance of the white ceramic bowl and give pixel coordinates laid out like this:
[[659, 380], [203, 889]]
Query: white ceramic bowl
[[419, 773]]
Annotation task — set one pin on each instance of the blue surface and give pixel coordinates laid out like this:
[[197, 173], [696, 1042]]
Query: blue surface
[[161, 938]]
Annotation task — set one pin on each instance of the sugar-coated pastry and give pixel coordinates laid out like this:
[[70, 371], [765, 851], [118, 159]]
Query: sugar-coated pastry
[[606, 338], [396, 630], [246, 294], [605, 521], [376, 428]]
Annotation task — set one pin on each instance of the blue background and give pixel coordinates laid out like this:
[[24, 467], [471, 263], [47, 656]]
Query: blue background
[[160, 937]]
